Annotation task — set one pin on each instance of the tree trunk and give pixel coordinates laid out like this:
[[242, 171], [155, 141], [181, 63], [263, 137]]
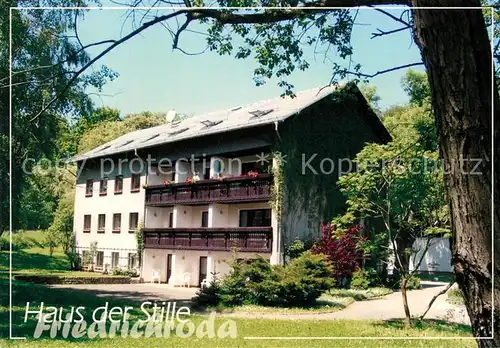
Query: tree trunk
[[456, 51], [404, 281]]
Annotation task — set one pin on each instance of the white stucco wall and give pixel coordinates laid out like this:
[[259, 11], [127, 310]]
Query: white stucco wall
[[187, 261], [124, 203], [437, 258]]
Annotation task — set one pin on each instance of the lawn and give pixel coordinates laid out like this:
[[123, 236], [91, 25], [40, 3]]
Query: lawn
[[332, 301], [38, 261], [245, 327]]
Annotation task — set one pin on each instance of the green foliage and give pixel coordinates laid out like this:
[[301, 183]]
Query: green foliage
[[43, 59], [299, 283], [20, 240], [210, 295], [278, 47], [297, 247], [364, 279], [112, 129], [117, 271], [416, 85], [370, 94], [398, 187], [412, 282], [139, 238], [61, 230]]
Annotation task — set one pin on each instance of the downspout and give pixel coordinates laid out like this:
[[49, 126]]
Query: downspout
[[141, 271]]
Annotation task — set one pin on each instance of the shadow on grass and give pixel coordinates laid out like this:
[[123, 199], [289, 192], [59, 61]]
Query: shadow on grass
[[22, 260], [67, 298], [434, 324]]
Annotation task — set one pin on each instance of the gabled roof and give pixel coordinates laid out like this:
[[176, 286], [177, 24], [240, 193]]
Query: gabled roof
[[252, 115]]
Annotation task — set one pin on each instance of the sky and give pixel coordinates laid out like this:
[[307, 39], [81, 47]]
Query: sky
[[153, 77]]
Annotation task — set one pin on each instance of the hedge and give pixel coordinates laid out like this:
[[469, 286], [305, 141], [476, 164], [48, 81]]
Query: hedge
[[55, 279]]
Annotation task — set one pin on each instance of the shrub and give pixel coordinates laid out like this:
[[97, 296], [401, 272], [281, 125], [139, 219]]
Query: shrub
[[413, 283], [359, 280], [124, 272], [341, 250], [299, 283], [210, 295], [19, 241], [363, 279], [298, 247]]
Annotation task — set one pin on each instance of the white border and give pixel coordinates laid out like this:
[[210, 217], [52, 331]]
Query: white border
[[254, 8]]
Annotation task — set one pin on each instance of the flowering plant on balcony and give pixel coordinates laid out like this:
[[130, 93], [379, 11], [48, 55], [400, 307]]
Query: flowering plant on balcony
[[168, 182], [253, 173], [189, 180]]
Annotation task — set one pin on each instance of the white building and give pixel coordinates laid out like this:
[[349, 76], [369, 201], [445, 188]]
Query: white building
[[192, 228]]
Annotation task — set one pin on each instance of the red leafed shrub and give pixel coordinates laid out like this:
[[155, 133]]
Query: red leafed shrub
[[342, 250]]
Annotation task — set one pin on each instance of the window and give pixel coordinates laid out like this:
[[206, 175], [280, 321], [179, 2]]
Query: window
[[118, 184], [86, 223], [100, 259], [133, 222], [135, 184], [259, 113], [103, 186], [171, 220], [208, 123], [101, 223], [125, 143], [115, 259], [117, 222], [255, 218], [204, 219], [151, 137], [178, 132], [132, 260], [89, 188]]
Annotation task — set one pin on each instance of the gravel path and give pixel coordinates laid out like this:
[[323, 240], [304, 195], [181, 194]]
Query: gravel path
[[387, 307]]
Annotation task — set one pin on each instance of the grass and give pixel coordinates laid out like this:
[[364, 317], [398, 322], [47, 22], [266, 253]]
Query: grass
[[245, 327], [38, 261], [455, 296], [359, 295], [33, 260], [325, 304], [332, 301]]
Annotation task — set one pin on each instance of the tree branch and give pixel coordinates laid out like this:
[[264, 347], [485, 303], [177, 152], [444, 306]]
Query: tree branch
[[100, 55], [358, 74], [435, 297], [358, 3], [383, 33], [406, 24]]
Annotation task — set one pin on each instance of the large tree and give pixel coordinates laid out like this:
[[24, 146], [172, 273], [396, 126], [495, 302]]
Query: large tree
[[44, 56], [456, 52]]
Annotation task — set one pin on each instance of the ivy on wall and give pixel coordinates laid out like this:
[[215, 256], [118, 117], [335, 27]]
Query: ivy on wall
[[139, 237], [314, 144]]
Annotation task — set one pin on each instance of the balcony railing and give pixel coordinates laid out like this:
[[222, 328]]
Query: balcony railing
[[228, 190], [245, 239]]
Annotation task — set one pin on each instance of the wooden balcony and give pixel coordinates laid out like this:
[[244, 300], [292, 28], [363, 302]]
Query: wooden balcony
[[245, 239], [228, 190]]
